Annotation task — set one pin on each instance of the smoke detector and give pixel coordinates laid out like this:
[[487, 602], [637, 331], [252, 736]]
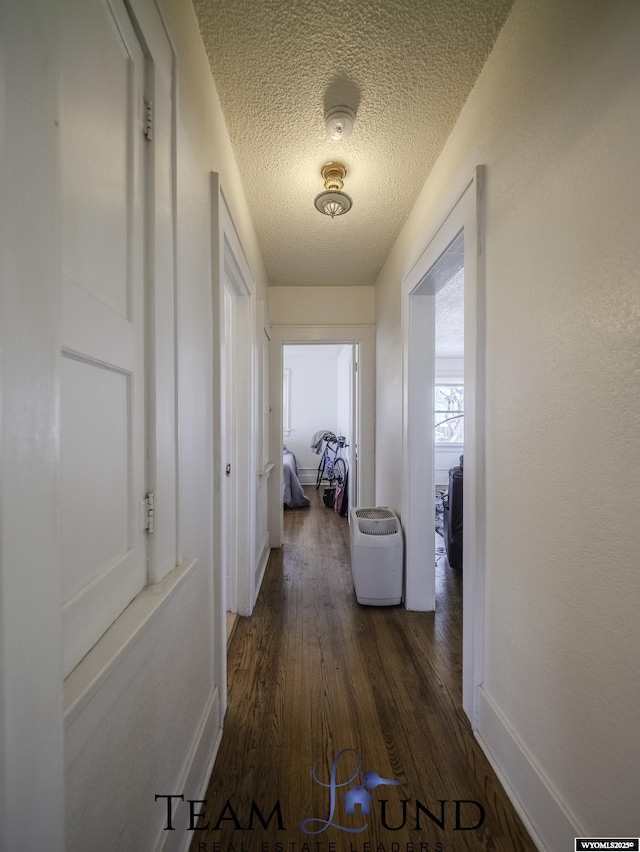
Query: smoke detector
[[338, 122]]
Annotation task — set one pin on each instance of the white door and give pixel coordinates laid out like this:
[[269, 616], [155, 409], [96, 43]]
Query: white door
[[230, 473], [103, 539]]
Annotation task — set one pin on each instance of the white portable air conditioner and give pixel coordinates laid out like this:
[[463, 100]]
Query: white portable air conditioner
[[376, 556]]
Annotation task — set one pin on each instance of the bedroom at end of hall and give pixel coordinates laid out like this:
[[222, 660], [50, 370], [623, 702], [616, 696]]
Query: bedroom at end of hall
[[318, 403]]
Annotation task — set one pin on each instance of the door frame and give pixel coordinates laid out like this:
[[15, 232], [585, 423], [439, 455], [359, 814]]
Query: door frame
[[229, 438], [418, 315], [364, 337], [230, 268]]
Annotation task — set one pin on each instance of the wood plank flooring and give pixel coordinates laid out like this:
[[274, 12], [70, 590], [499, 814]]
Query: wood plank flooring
[[313, 674]]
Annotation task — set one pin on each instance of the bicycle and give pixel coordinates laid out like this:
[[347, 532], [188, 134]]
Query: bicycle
[[332, 447]]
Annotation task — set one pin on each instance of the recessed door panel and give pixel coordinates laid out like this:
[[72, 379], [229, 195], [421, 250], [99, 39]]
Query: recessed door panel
[[99, 107], [103, 540], [95, 429]]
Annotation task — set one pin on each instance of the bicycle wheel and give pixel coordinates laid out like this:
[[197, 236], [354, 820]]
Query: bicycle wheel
[[339, 473], [321, 467]]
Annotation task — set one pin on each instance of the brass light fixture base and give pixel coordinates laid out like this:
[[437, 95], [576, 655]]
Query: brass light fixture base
[[333, 175]]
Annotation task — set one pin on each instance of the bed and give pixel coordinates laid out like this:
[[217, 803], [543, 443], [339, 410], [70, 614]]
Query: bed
[[293, 493]]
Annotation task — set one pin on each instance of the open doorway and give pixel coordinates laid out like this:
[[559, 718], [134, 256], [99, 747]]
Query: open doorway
[[439, 262], [449, 415], [319, 397], [356, 345], [235, 451]]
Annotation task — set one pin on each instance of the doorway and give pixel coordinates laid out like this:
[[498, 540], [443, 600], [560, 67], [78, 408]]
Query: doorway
[[319, 394], [460, 230], [361, 340], [238, 447], [449, 412], [234, 414]]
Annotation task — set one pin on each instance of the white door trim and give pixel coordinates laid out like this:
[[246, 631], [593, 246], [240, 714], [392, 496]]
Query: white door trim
[[418, 438], [230, 266], [230, 448], [364, 336], [162, 427]]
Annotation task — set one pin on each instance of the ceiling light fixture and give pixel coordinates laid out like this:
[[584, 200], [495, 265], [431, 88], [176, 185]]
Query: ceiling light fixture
[[338, 122], [333, 202]]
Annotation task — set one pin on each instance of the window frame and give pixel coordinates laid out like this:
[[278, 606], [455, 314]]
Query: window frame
[[444, 413]]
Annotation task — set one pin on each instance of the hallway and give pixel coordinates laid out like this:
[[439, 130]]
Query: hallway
[[311, 674]]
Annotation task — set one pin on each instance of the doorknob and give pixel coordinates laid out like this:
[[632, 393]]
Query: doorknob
[[227, 470]]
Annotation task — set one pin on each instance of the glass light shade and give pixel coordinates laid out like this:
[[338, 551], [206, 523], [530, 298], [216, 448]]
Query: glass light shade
[[333, 203]]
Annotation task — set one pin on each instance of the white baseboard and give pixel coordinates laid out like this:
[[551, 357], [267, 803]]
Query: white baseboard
[[262, 566], [194, 779], [545, 816], [307, 475]]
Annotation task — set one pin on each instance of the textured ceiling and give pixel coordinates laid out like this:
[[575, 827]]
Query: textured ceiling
[[450, 318], [405, 67]]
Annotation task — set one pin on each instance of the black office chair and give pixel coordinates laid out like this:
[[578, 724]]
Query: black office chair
[[452, 504]]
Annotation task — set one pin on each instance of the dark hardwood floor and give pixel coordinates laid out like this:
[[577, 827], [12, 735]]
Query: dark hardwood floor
[[312, 674]]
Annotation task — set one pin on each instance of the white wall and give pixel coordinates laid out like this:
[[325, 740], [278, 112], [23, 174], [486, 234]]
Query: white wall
[[322, 305], [449, 370], [554, 117], [152, 723]]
